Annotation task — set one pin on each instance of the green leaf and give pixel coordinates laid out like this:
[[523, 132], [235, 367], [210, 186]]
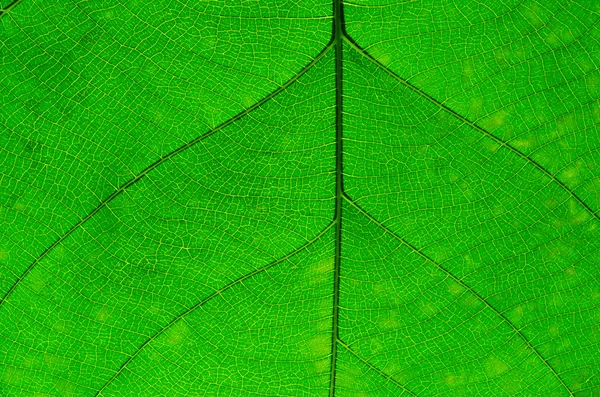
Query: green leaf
[[300, 198]]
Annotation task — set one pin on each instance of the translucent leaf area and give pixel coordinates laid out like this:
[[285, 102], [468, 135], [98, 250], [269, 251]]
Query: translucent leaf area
[[300, 198]]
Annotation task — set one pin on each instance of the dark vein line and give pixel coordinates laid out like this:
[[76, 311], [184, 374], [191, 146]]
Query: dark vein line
[[9, 7], [337, 34], [471, 124], [209, 298], [157, 163], [374, 368], [459, 281]]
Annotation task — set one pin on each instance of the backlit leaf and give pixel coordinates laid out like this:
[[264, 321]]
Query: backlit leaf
[[300, 198]]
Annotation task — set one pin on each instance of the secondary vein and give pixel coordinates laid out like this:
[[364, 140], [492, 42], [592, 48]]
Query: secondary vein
[[209, 298], [473, 125], [374, 368], [479, 297], [156, 164], [9, 7]]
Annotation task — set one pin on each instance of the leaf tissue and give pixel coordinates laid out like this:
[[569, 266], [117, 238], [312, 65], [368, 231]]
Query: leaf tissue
[[300, 198]]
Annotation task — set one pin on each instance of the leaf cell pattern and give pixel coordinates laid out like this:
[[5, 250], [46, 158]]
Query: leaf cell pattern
[[300, 198]]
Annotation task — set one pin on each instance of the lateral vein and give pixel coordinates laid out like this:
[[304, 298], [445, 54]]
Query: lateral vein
[[209, 298], [473, 125], [374, 368], [155, 165], [464, 285]]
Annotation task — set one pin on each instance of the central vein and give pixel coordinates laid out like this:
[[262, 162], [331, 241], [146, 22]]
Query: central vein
[[338, 21]]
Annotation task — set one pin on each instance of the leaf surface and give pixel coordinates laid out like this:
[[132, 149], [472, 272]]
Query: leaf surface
[[300, 198]]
